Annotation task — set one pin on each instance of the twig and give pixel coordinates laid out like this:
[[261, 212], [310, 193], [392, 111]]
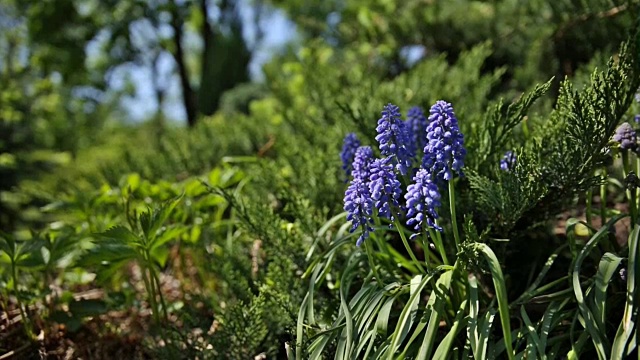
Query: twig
[[14, 352], [586, 17]]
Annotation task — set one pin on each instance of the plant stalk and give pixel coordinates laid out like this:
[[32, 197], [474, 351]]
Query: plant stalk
[[408, 247], [437, 240], [372, 263], [603, 199], [454, 220], [23, 315]]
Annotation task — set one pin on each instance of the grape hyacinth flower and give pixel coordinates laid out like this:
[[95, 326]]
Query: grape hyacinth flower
[[508, 161], [422, 200], [358, 202], [417, 126], [445, 152], [625, 135], [394, 139], [384, 187], [349, 147]]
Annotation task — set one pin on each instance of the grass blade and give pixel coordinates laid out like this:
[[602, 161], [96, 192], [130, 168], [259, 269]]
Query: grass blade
[[534, 339], [406, 314], [626, 325], [442, 351], [598, 338], [501, 295], [472, 328], [606, 269]]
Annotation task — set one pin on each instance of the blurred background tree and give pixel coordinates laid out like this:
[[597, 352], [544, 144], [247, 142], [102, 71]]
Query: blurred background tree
[[85, 41], [70, 68]]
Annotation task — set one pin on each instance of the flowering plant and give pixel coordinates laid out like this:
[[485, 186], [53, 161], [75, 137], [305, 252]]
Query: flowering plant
[[443, 202]]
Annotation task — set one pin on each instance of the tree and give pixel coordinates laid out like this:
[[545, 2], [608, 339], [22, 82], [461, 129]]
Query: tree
[[203, 38], [536, 39]]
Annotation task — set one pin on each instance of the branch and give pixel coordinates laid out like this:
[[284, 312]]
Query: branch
[[586, 17]]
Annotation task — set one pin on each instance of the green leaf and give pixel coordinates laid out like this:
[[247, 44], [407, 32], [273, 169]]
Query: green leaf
[[7, 245], [382, 323], [459, 322], [626, 326], [405, 316], [473, 333], [152, 220], [105, 254], [597, 335], [167, 235], [435, 311], [501, 295], [533, 337], [606, 269], [120, 235]]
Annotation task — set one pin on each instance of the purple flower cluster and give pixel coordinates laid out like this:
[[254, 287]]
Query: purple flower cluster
[[625, 135], [384, 187], [636, 118], [375, 183], [393, 138], [422, 198], [444, 154], [417, 125], [358, 202], [508, 161], [349, 147]]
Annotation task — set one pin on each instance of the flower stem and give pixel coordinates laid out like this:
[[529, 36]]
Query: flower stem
[[437, 240], [626, 166], [372, 264], [603, 198], [154, 275], [408, 247], [454, 220], [589, 200], [151, 294], [23, 316]]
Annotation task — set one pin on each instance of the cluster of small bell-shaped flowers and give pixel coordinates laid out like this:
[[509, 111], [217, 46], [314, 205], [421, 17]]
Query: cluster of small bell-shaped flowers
[[444, 153], [423, 198], [508, 161], [385, 187], [375, 182], [358, 202], [393, 138], [349, 147], [417, 125], [625, 135]]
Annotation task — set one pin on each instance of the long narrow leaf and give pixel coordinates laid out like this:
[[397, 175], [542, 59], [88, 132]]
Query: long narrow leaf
[[501, 295], [445, 345], [436, 307], [533, 336], [405, 316], [625, 328], [606, 269], [472, 328], [597, 335]]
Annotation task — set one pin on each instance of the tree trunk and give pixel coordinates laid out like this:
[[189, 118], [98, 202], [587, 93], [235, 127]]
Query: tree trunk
[[188, 95]]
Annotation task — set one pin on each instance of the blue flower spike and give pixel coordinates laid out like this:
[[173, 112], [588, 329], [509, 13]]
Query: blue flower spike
[[444, 153], [384, 187], [349, 147], [393, 138], [423, 198], [358, 202]]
